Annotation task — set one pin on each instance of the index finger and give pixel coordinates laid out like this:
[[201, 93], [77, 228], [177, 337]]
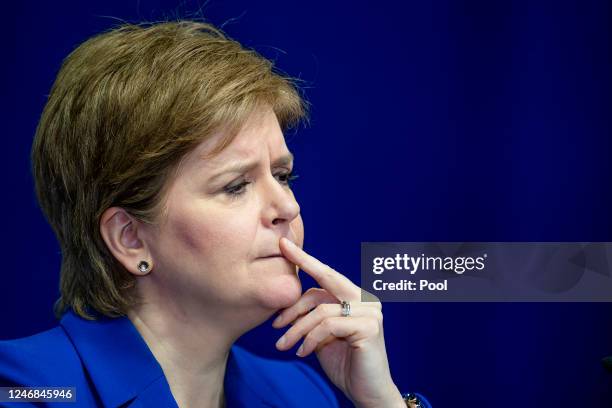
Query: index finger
[[329, 279]]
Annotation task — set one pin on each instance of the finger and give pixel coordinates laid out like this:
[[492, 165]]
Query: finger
[[323, 311], [309, 300], [352, 330], [334, 282]]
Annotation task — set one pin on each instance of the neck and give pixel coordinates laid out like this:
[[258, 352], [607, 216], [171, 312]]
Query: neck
[[190, 340], [192, 353]]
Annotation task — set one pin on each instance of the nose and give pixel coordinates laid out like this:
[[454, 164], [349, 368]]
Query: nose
[[280, 204]]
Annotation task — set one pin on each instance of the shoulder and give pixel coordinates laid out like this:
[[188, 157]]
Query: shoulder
[[44, 359], [287, 381]]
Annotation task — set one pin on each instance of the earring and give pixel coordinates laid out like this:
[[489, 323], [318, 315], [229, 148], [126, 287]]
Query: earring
[[144, 267]]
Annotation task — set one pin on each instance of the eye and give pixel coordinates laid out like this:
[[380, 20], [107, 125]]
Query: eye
[[286, 177], [235, 190]]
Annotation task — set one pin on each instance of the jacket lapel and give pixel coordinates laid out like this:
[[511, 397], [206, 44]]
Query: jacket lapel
[[118, 361], [125, 373]]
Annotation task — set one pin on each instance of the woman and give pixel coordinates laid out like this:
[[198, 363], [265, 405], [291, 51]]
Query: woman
[[161, 165]]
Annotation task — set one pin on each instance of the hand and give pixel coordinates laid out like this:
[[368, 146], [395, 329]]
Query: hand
[[350, 349]]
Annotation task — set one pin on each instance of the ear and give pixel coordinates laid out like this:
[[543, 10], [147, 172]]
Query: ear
[[122, 234]]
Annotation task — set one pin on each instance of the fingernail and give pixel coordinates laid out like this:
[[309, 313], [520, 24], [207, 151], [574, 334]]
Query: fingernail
[[277, 321], [290, 242], [300, 350], [281, 342]]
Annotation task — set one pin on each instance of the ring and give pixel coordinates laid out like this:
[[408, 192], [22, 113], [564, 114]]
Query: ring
[[346, 308]]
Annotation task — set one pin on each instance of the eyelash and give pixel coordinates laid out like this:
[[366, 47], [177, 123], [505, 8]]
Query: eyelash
[[239, 189]]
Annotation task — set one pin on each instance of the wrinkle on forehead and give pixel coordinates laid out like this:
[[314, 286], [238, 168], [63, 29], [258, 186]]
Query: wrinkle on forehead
[[248, 143], [256, 123]]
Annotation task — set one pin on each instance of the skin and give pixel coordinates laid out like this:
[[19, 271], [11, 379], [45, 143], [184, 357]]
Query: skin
[[222, 262]]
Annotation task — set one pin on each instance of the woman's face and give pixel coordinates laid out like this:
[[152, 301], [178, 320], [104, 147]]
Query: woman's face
[[218, 243]]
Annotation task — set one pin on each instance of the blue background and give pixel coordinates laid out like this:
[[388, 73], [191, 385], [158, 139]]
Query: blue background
[[431, 121]]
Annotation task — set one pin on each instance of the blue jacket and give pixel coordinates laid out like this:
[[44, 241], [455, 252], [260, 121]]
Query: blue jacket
[[110, 365]]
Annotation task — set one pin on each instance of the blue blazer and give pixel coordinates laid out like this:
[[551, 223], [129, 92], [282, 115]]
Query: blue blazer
[[110, 365]]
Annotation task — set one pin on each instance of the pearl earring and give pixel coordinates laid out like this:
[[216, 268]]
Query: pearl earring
[[143, 266]]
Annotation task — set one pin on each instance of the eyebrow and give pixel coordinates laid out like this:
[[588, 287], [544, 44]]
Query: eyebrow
[[243, 167]]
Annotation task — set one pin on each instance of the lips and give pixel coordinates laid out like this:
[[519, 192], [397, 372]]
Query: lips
[[271, 256]]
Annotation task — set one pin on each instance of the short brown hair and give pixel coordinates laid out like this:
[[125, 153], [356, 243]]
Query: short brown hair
[[126, 106]]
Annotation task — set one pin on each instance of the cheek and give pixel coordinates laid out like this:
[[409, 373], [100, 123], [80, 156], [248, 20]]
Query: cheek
[[204, 236], [213, 237]]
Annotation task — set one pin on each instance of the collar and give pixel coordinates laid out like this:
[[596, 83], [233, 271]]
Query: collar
[[122, 368]]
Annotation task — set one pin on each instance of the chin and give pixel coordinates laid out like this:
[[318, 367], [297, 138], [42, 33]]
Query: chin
[[282, 292]]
